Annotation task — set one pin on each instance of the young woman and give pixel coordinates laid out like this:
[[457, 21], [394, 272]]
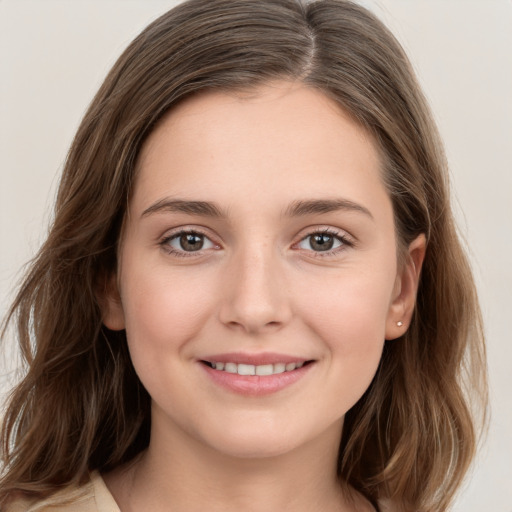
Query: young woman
[[252, 295]]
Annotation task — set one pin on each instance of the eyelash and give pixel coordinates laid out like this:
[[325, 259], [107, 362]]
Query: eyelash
[[342, 238], [164, 243]]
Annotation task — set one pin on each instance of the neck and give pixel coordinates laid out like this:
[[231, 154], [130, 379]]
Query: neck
[[181, 474]]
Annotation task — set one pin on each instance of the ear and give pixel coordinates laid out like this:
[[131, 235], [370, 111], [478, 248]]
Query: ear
[[406, 287], [111, 306]]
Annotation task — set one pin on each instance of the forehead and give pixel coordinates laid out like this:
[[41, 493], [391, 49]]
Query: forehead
[[282, 133]]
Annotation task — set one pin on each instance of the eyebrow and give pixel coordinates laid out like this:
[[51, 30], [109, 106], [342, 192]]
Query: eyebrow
[[319, 206], [200, 208], [296, 209]]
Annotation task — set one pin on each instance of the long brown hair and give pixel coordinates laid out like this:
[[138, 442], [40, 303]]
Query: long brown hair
[[81, 407]]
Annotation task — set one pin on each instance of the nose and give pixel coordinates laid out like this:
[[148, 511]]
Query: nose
[[255, 298]]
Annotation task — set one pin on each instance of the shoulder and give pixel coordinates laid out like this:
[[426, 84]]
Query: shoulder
[[91, 497], [76, 499]]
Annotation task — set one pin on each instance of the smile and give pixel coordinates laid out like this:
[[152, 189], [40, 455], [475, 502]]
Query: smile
[[255, 375], [251, 369]]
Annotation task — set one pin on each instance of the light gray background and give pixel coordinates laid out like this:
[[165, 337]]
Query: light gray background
[[54, 55]]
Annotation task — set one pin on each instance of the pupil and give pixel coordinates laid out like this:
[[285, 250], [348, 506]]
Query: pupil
[[322, 242], [191, 242]]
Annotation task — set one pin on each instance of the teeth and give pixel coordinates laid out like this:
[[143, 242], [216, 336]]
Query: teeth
[[251, 369], [246, 369], [265, 369], [231, 368], [279, 368]]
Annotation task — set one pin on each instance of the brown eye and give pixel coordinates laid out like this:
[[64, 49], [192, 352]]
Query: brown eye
[[187, 242], [191, 242], [322, 242]]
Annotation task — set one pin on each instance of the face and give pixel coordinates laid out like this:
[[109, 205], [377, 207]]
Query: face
[[258, 277]]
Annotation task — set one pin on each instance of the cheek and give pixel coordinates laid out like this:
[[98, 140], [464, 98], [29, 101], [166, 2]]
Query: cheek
[[163, 310], [348, 318], [352, 304]]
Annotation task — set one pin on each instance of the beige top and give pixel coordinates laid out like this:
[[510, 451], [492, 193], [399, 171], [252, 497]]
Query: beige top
[[92, 497]]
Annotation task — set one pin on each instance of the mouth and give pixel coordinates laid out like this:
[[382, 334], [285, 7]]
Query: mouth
[[261, 370], [256, 375]]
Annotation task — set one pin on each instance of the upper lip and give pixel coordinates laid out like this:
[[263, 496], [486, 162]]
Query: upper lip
[[254, 359]]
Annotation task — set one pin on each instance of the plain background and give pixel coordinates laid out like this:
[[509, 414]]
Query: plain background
[[55, 53]]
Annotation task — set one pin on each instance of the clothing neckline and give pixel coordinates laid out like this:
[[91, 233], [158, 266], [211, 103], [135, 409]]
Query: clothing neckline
[[105, 502]]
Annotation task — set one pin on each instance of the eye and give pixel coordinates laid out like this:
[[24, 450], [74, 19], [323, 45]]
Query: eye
[[187, 242], [323, 241]]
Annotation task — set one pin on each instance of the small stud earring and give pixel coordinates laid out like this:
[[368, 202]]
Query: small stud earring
[[399, 324]]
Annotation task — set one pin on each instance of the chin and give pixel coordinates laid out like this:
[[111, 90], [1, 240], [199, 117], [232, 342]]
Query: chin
[[264, 440], [254, 447]]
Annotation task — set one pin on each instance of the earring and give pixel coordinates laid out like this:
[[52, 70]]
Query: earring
[[399, 324]]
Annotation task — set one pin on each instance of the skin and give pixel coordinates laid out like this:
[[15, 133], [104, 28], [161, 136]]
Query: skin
[[258, 285]]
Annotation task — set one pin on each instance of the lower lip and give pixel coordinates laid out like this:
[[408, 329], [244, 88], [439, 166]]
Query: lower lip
[[256, 385]]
